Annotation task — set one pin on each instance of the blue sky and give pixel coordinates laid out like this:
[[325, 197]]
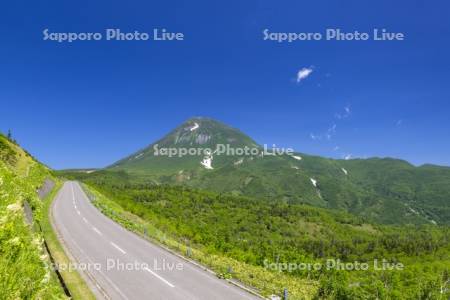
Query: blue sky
[[88, 104]]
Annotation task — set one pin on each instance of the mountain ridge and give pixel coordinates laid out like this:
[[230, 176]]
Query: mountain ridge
[[386, 189]]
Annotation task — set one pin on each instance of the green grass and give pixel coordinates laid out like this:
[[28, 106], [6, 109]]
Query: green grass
[[23, 260], [76, 285], [240, 233], [384, 190], [265, 282], [26, 271]]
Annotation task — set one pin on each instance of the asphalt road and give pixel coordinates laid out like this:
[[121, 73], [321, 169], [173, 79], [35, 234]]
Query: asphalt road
[[121, 265]]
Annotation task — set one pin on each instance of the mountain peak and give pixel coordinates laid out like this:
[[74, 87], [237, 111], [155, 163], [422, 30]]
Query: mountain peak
[[201, 118], [194, 133], [210, 122], [205, 132]]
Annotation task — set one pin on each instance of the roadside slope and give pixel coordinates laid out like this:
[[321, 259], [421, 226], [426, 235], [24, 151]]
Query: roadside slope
[[23, 259]]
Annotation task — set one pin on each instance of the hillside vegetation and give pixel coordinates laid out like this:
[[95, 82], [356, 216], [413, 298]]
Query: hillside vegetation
[[388, 191], [259, 233], [23, 260]]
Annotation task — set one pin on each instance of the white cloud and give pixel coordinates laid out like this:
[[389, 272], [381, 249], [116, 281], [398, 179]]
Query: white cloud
[[330, 132], [347, 112], [332, 129], [315, 137], [303, 74], [348, 156]]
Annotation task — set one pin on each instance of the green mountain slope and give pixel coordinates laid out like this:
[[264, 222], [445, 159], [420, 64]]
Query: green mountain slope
[[23, 260], [198, 134], [385, 190]]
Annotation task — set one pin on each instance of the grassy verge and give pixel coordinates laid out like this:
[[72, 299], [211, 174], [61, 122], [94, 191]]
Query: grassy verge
[[75, 283], [260, 279], [23, 260]]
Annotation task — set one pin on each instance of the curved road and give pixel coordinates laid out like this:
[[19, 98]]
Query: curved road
[[122, 265]]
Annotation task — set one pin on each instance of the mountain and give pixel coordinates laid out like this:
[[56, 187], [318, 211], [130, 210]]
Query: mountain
[[199, 134], [386, 190]]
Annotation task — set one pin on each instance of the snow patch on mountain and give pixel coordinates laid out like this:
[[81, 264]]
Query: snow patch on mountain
[[313, 181], [207, 161], [297, 157], [345, 171], [413, 211], [196, 126], [238, 162]]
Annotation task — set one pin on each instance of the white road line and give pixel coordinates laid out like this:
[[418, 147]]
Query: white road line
[[118, 248], [73, 194], [85, 221], [92, 263], [96, 230], [73, 199], [159, 277]]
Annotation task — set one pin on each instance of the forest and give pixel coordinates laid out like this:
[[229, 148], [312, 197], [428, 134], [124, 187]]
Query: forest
[[263, 233]]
